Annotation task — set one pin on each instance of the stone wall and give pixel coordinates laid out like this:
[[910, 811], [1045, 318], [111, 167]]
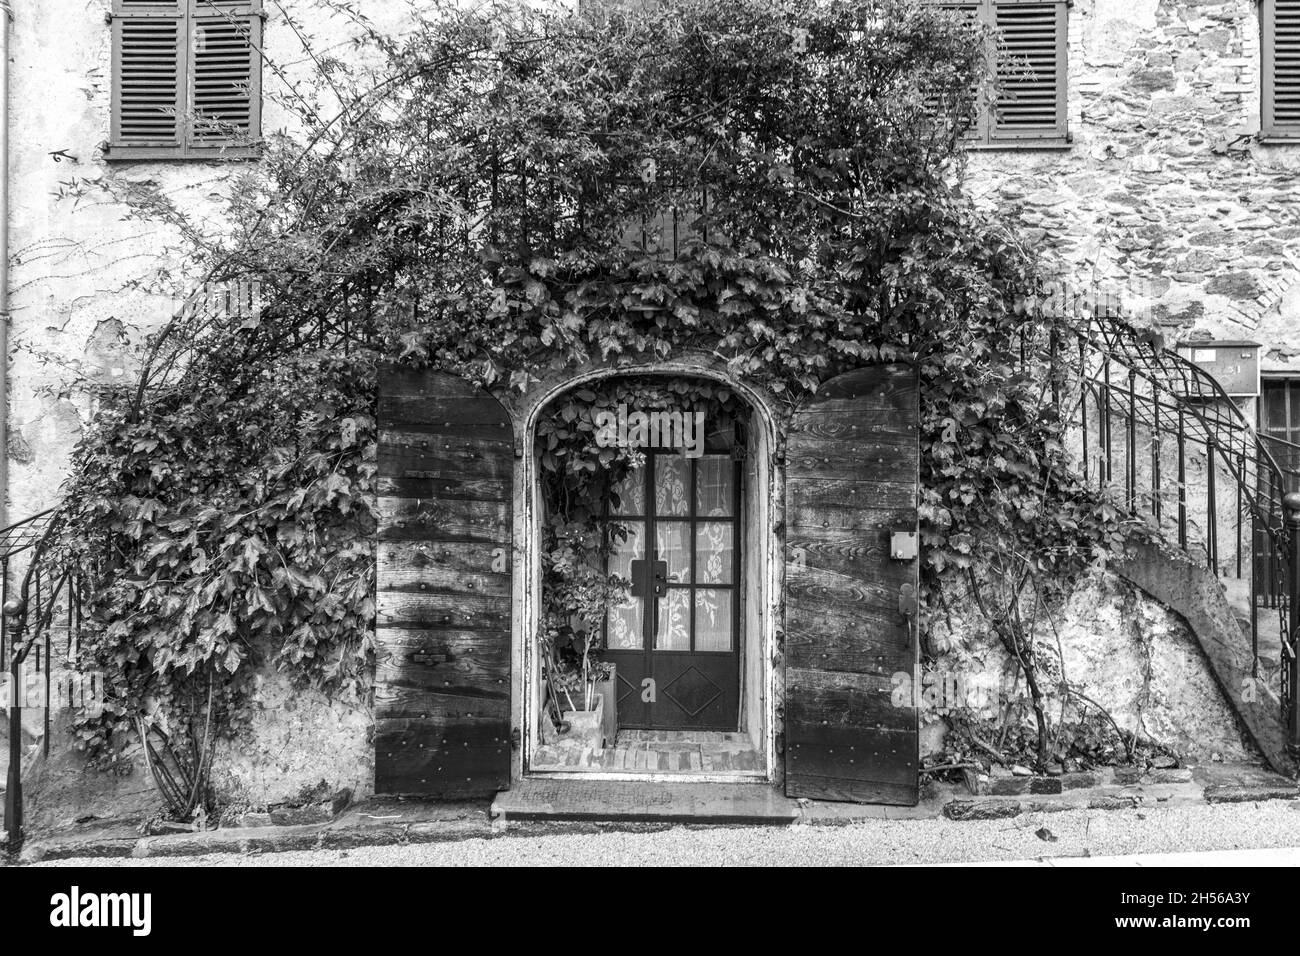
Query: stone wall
[[1166, 195]]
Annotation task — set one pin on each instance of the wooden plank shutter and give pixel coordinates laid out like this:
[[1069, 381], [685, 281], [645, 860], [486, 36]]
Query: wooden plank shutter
[[148, 100], [852, 460], [443, 576], [1281, 67], [1031, 71], [225, 73]]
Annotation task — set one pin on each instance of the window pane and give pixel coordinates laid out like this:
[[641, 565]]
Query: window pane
[[712, 619], [623, 553], [674, 632], [625, 624], [714, 552], [1293, 390], [671, 540], [672, 486], [714, 486]]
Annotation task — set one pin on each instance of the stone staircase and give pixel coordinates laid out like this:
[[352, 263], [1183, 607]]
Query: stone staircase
[[1217, 612]]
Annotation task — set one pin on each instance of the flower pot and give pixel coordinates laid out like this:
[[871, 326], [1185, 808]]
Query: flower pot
[[586, 727]]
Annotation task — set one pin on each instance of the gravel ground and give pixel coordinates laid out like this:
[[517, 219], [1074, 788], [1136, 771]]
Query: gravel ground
[[1072, 834]]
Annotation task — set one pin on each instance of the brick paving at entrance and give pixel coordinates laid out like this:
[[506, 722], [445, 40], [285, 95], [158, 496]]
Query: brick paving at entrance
[[649, 751]]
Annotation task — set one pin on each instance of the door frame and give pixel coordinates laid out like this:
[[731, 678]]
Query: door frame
[[763, 508]]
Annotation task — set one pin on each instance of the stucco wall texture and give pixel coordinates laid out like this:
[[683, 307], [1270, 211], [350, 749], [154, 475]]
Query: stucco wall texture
[[1164, 195]]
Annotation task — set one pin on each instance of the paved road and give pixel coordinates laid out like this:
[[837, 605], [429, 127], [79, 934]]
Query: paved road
[[1216, 834]]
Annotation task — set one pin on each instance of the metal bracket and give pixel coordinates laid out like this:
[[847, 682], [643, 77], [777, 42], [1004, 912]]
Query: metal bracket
[[902, 545]]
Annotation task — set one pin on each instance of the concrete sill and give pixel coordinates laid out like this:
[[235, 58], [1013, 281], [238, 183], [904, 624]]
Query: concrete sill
[[1023, 146], [159, 154]]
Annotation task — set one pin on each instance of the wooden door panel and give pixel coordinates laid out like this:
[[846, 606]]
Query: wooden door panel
[[443, 587], [852, 467]]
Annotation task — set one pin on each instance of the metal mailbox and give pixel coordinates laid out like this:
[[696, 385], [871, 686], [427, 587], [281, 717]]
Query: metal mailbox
[[1233, 364]]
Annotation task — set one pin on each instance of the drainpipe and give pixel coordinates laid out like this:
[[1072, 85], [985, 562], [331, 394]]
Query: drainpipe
[[14, 785], [6, 22]]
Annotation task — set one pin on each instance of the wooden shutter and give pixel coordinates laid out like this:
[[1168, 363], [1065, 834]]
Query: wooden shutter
[[186, 76], [979, 130], [443, 577], [852, 460], [225, 73], [1280, 64], [1031, 71], [148, 73]]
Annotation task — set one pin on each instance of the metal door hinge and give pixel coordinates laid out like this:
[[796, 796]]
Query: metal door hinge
[[907, 601]]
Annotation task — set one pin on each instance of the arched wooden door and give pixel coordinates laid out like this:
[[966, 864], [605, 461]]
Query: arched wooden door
[[443, 579], [852, 478]]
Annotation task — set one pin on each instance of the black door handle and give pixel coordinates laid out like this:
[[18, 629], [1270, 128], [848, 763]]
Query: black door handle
[[660, 578]]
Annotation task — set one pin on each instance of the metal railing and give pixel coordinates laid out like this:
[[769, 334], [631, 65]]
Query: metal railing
[[37, 609], [1163, 436]]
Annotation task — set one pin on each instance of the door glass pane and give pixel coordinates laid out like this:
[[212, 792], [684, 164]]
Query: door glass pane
[[713, 619], [674, 621], [625, 624], [674, 548], [623, 553], [672, 485], [714, 552], [714, 486], [630, 493]]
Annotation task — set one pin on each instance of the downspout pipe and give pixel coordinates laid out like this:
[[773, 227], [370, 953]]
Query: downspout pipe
[[14, 783], [6, 27]]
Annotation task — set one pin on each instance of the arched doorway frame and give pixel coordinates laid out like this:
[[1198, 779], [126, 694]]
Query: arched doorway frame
[[765, 498]]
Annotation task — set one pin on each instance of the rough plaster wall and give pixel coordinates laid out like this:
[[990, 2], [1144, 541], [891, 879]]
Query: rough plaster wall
[[73, 262], [297, 740], [1163, 196], [1127, 652]]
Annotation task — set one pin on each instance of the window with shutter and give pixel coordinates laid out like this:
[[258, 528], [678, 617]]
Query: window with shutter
[[1280, 110], [1029, 61], [186, 78]]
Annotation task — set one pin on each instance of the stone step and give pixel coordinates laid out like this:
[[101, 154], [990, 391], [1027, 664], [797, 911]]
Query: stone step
[[634, 801]]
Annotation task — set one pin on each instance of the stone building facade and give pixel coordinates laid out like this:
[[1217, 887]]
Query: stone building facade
[[1164, 192]]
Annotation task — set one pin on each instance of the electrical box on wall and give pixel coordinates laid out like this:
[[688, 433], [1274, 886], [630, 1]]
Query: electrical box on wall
[[1234, 365]]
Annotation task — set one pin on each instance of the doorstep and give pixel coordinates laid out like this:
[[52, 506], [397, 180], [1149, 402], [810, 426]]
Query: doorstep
[[533, 799]]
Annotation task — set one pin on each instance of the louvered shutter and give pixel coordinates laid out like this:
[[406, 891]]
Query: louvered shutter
[[1031, 71], [186, 76], [148, 73], [225, 74], [1281, 67], [979, 130]]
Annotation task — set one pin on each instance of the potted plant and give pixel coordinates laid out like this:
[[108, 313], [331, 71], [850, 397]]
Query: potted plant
[[579, 686], [580, 700]]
